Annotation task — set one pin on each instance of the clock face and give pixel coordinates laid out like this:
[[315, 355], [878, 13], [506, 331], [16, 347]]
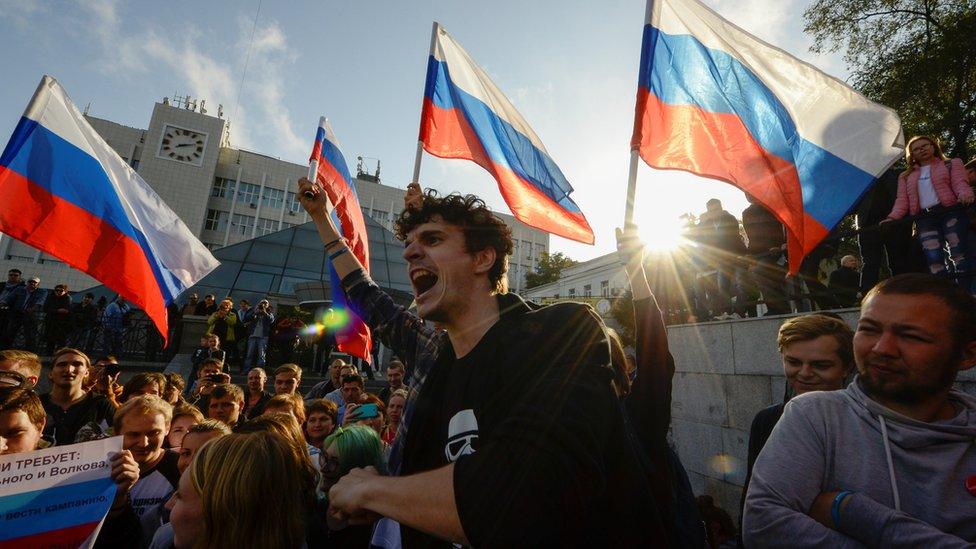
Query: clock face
[[182, 145]]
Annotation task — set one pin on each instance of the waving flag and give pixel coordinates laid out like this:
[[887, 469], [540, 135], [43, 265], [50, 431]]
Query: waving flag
[[333, 174], [66, 192], [466, 116], [718, 102]]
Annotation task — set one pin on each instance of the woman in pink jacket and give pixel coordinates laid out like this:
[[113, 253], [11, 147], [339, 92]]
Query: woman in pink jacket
[[930, 186]]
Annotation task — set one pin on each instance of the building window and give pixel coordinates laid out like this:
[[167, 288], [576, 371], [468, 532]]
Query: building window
[[286, 225], [292, 204], [572, 292], [587, 290], [20, 258], [267, 226], [216, 220], [242, 224], [134, 164], [527, 246], [380, 216], [248, 193], [223, 188], [273, 198], [605, 288]]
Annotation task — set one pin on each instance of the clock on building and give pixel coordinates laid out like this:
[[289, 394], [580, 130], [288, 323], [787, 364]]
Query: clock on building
[[182, 145]]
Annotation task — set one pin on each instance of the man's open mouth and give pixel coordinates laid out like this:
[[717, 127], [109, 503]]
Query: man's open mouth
[[422, 280]]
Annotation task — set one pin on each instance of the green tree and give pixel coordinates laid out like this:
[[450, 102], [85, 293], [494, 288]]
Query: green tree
[[915, 56], [549, 268]]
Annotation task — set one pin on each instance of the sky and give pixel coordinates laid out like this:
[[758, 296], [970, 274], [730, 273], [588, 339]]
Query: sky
[[569, 66]]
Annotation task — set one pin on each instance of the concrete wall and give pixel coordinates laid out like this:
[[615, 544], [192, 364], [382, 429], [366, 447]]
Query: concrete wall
[[725, 373]]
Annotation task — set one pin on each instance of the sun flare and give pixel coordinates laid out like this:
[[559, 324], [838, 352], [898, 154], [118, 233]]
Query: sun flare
[[661, 233]]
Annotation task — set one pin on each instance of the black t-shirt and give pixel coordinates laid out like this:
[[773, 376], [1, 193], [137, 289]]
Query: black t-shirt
[[536, 435], [156, 485], [63, 425]]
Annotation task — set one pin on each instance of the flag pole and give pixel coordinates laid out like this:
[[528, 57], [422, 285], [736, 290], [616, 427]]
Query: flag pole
[[631, 190], [634, 155], [420, 144]]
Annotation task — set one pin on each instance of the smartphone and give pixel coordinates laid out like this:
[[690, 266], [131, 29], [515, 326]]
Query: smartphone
[[365, 411], [216, 378]]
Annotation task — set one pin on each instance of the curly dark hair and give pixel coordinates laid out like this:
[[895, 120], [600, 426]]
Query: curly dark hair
[[482, 229]]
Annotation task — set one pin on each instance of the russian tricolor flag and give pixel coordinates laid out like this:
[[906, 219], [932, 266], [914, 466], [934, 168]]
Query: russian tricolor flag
[[466, 116], [718, 102], [333, 174], [66, 192]]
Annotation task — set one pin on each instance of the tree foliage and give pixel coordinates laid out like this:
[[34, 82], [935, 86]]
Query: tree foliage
[[915, 56], [548, 270]]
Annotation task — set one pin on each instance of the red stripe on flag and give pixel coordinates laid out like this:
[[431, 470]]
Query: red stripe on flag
[[446, 133], [72, 536], [719, 146], [32, 215]]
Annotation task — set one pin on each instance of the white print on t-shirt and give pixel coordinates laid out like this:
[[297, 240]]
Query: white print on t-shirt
[[150, 491], [462, 432]]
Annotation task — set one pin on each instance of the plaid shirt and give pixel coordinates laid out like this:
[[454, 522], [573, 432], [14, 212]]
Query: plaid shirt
[[416, 343]]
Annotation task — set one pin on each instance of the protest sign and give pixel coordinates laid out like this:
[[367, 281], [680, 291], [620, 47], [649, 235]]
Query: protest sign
[[56, 497]]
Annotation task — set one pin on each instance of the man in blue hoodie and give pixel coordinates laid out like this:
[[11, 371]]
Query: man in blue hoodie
[[890, 461]]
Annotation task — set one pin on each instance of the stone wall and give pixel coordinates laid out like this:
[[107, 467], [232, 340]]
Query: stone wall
[[725, 373]]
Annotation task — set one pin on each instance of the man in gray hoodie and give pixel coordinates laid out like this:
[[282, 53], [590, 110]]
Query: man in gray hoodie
[[891, 460]]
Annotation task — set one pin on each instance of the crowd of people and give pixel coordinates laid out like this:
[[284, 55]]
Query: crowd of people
[[506, 423], [739, 268]]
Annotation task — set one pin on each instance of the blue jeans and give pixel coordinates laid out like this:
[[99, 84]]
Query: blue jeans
[[947, 230], [256, 347]]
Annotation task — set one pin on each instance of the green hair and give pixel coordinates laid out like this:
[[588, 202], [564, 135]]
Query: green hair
[[358, 446]]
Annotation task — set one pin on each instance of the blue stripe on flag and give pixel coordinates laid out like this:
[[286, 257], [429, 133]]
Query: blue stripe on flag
[[74, 512]]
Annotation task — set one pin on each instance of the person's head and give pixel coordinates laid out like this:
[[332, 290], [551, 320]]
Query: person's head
[[347, 448], [264, 305], [60, 290], [334, 373], [287, 379], [106, 372], [816, 352], [256, 380], [916, 332], [225, 305], [68, 369], [25, 363], [209, 299], [175, 384], [13, 276], [922, 149], [398, 401], [33, 283], [353, 389], [145, 383], [88, 298], [193, 299], [849, 261], [394, 374], [184, 417], [196, 436], [714, 205], [287, 403], [143, 422], [212, 507], [213, 341], [455, 247], [971, 171], [287, 426], [244, 304], [22, 420], [322, 419], [226, 402], [209, 367]]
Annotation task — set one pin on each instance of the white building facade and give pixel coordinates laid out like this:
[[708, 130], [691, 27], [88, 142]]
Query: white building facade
[[226, 195], [597, 282]]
